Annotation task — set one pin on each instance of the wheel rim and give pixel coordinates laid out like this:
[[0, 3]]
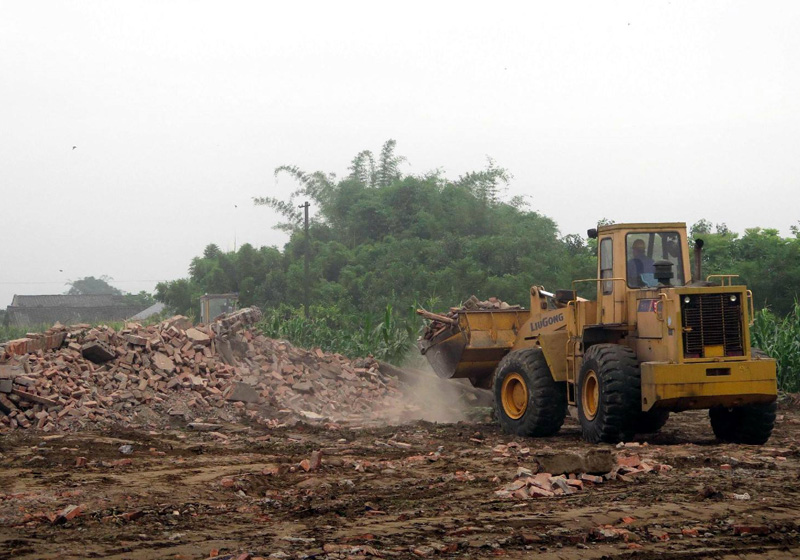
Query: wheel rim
[[514, 394], [590, 394]]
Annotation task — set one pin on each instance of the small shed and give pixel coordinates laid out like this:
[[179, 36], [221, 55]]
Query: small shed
[[214, 305]]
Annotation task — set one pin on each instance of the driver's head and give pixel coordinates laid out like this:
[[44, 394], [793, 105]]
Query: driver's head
[[638, 248]]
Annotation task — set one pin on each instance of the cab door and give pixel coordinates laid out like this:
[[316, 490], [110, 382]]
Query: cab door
[[611, 291]]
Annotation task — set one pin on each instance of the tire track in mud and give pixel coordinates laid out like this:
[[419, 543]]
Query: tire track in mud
[[421, 486]]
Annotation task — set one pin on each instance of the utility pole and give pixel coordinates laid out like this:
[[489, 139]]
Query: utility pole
[[305, 263]]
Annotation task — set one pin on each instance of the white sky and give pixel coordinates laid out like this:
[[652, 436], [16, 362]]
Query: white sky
[[180, 111]]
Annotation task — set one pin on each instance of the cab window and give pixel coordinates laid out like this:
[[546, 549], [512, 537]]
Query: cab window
[[644, 249], [606, 265]]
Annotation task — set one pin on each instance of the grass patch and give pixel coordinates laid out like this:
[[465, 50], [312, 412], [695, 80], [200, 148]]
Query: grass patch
[[779, 337], [387, 337]]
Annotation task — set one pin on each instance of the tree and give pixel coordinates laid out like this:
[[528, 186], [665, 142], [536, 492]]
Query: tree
[[316, 186], [181, 296], [382, 238], [92, 286], [388, 165], [362, 169]]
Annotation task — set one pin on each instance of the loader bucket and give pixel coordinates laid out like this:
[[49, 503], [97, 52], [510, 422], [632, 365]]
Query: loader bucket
[[474, 347]]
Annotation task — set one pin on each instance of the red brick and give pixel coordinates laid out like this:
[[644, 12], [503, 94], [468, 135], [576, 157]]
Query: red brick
[[132, 515], [631, 461], [535, 491], [750, 530], [591, 478], [521, 494], [316, 460], [690, 533], [68, 514]]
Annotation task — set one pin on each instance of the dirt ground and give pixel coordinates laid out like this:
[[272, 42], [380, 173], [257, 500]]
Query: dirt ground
[[410, 491]]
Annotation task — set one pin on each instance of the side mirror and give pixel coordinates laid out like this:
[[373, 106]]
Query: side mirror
[[592, 233]]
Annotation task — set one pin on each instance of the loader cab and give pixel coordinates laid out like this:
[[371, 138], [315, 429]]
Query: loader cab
[[644, 249], [635, 257]]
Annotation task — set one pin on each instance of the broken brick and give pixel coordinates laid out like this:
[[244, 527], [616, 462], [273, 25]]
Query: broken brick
[[751, 530], [67, 514]]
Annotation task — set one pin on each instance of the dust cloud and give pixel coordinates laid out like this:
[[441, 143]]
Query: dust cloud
[[425, 396]]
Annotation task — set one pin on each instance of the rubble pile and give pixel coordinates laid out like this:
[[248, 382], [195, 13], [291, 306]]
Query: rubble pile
[[569, 472], [81, 376], [442, 323]]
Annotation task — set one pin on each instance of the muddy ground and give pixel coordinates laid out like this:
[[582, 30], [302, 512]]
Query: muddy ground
[[411, 491]]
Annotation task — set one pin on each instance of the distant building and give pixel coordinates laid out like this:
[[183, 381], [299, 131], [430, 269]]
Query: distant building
[[27, 311], [154, 309]]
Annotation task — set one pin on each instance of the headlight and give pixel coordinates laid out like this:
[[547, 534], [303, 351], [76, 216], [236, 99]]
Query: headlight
[[733, 297], [687, 299]]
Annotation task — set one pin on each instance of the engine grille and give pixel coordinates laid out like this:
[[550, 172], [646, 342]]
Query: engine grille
[[712, 320]]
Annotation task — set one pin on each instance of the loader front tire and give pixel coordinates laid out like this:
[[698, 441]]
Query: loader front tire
[[609, 393], [529, 401], [751, 424]]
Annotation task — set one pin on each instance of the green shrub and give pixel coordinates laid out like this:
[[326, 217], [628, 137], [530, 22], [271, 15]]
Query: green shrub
[[385, 337], [10, 332], [780, 339]]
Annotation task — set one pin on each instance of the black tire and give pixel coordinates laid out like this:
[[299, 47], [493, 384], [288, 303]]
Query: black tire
[[651, 421], [618, 393], [546, 405], [750, 424]]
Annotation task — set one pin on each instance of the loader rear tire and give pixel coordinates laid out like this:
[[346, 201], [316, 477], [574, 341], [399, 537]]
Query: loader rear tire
[[750, 424], [609, 393], [651, 421], [529, 401]]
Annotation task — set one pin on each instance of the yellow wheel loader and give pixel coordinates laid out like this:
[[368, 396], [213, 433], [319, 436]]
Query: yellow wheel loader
[[653, 341]]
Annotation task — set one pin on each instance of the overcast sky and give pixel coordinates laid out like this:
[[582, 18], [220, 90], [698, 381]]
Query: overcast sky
[[180, 111]]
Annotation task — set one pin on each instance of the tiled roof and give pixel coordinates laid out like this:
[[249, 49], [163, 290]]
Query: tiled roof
[[149, 312], [62, 300], [66, 309]]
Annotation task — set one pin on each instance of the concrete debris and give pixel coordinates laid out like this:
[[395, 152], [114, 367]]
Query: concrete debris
[[97, 352], [442, 323], [242, 392], [141, 375], [594, 461]]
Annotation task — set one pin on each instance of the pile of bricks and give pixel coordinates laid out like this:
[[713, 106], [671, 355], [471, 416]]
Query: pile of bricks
[[146, 375], [528, 483], [545, 485]]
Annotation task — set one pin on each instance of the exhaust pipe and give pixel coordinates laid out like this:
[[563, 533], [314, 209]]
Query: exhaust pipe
[[698, 260]]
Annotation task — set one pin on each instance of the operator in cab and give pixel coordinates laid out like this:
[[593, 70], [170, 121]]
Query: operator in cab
[[641, 268]]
